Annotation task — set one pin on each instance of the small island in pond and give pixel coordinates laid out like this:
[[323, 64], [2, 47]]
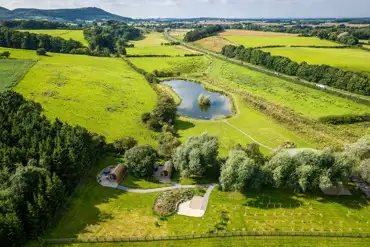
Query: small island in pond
[[204, 100]]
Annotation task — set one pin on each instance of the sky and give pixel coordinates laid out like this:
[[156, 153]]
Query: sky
[[210, 8]]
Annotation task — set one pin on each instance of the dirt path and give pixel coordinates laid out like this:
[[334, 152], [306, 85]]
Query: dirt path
[[175, 187]]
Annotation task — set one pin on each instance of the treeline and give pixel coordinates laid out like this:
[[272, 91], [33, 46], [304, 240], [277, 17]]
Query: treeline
[[171, 43], [33, 24], [30, 41], [345, 119], [322, 74], [201, 33], [111, 37], [41, 163]]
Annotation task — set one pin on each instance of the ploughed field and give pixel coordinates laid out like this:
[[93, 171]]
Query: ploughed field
[[348, 59], [65, 34], [102, 94]]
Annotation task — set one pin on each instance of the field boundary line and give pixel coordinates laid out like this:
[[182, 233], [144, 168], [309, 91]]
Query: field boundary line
[[205, 235], [330, 90]]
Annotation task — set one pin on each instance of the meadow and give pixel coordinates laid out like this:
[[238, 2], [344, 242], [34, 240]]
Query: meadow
[[151, 44], [65, 34], [348, 59], [12, 70], [102, 94], [97, 211], [258, 39]]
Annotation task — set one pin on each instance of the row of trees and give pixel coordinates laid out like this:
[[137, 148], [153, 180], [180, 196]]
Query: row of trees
[[201, 33], [41, 162], [30, 41], [111, 37], [322, 74], [33, 24]]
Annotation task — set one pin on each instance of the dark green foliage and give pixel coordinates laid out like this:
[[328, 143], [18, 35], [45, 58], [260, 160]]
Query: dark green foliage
[[168, 144], [41, 52], [166, 203], [145, 117], [33, 24], [112, 36], [322, 74], [5, 54], [140, 161], [345, 119], [30, 41], [171, 43], [163, 114], [124, 144], [201, 33], [41, 162]]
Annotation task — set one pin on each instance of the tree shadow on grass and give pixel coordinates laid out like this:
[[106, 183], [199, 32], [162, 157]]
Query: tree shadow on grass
[[82, 210], [183, 125]]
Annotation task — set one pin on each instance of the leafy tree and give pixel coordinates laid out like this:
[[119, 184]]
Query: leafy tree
[[359, 149], [140, 160], [240, 172], [253, 151], [124, 144], [167, 144], [41, 52], [197, 155], [364, 170]]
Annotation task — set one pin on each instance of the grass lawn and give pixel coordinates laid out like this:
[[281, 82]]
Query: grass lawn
[[242, 241], [97, 211], [137, 183], [347, 59], [256, 39], [12, 70], [151, 45], [77, 35], [102, 94]]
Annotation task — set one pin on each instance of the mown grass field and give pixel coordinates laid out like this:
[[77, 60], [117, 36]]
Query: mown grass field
[[257, 39], [150, 44], [347, 59], [179, 33], [97, 211], [102, 94], [65, 34], [12, 70]]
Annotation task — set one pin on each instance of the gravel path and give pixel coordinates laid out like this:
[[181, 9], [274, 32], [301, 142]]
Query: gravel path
[[176, 186]]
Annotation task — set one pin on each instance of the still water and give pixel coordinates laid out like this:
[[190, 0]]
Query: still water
[[189, 92]]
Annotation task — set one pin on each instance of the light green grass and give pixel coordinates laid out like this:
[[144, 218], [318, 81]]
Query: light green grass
[[151, 45], [256, 41], [137, 183], [309, 102], [102, 94], [185, 65], [347, 59], [12, 70], [65, 34], [241, 241], [97, 211]]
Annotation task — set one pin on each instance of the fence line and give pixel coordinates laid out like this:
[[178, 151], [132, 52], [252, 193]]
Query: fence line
[[206, 235]]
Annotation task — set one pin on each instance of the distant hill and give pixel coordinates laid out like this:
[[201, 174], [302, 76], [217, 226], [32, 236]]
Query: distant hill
[[85, 14]]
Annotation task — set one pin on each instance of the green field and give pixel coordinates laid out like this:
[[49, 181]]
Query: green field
[[347, 59], [150, 44], [102, 94], [12, 70], [97, 211], [65, 34], [257, 41]]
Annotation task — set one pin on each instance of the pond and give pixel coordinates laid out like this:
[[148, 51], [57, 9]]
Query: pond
[[189, 92]]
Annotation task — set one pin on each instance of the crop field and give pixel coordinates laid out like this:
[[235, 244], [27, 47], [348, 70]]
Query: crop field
[[215, 43], [108, 212], [179, 33], [347, 59], [102, 94], [12, 70], [257, 39], [151, 45], [65, 34]]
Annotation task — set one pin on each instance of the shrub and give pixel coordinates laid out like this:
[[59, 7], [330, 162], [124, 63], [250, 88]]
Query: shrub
[[41, 52], [5, 54], [124, 144], [166, 203], [204, 100], [145, 117], [345, 119]]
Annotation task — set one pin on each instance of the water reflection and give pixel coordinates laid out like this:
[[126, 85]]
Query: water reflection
[[190, 91]]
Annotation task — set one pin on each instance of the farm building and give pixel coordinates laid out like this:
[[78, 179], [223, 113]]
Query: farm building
[[118, 173], [167, 169]]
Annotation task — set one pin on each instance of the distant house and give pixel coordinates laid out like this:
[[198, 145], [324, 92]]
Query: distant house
[[118, 173], [167, 169]]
